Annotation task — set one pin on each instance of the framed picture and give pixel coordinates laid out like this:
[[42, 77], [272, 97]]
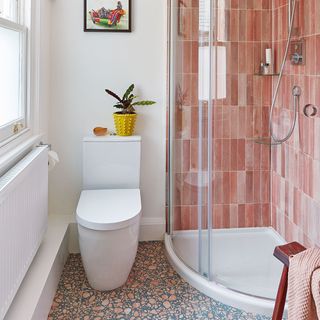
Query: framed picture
[[107, 15]]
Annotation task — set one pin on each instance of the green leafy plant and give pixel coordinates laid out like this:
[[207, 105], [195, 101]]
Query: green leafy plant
[[127, 103]]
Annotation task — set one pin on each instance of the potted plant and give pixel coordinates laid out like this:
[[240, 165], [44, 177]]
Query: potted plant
[[125, 119]]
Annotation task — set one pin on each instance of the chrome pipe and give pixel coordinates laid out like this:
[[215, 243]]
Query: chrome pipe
[[289, 14]]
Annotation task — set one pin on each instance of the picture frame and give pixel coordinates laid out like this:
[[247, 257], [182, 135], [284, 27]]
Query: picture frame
[[107, 15]]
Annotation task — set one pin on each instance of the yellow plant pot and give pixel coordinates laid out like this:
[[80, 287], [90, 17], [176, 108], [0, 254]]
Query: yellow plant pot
[[124, 123]]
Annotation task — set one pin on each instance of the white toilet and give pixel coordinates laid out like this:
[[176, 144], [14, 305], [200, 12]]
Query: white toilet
[[108, 212]]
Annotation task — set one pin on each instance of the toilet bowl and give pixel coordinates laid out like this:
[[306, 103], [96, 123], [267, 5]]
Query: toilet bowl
[[109, 209], [108, 225]]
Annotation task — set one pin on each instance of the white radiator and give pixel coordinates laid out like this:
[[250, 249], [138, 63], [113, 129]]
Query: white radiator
[[23, 220]]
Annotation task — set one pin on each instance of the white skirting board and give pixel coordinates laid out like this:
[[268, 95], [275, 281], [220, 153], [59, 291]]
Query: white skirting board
[[152, 229]]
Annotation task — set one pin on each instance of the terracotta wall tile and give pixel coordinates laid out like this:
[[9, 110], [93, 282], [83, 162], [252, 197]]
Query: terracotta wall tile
[[242, 215], [234, 216], [299, 158]]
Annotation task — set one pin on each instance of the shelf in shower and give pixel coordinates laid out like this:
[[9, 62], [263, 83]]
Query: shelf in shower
[[266, 75], [266, 141]]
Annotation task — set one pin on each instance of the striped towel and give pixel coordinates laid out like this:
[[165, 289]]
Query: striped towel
[[304, 286]]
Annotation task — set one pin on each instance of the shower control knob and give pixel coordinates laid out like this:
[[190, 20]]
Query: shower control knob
[[296, 58], [310, 110]]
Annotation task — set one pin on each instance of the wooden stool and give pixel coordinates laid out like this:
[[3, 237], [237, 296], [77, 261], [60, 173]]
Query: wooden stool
[[283, 253]]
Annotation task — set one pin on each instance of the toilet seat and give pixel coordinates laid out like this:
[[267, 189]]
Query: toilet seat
[[108, 209]]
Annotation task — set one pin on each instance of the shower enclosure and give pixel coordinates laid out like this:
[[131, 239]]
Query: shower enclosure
[[219, 234]]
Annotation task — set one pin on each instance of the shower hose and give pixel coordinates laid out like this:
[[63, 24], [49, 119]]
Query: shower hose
[[296, 91]]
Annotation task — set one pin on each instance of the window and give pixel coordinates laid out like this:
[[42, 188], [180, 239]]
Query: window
[[9, 10], [13, 65]]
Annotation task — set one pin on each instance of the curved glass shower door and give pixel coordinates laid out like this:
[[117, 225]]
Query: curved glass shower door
[[190, 132], [219, 175]]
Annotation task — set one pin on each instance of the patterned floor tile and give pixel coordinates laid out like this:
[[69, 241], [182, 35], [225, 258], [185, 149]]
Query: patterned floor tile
[[153, 291]]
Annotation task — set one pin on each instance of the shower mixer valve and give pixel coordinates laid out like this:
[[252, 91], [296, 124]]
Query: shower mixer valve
[[297, 52], [296, 58]]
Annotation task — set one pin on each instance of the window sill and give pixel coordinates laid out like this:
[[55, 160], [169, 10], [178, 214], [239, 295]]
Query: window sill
[[12, 152], [10, 141]]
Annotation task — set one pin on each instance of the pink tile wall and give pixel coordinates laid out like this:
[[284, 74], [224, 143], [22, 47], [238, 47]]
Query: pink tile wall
[[186, 116], [295, 168], [241, 168]]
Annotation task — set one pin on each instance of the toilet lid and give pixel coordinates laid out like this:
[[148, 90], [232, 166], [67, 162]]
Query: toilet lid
[[108, 209]]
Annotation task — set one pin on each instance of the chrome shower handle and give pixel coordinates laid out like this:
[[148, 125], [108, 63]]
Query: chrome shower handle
[[313, 112], [296, 58]]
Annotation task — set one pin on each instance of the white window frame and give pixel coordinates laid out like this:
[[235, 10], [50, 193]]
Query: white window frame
[[12, 149], [19, 125], [28, 22]]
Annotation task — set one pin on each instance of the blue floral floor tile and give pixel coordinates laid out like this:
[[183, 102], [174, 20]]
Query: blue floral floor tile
[[153, 291]]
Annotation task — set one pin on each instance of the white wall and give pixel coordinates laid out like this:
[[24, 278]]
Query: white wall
[[44, 37], [83, 65]]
